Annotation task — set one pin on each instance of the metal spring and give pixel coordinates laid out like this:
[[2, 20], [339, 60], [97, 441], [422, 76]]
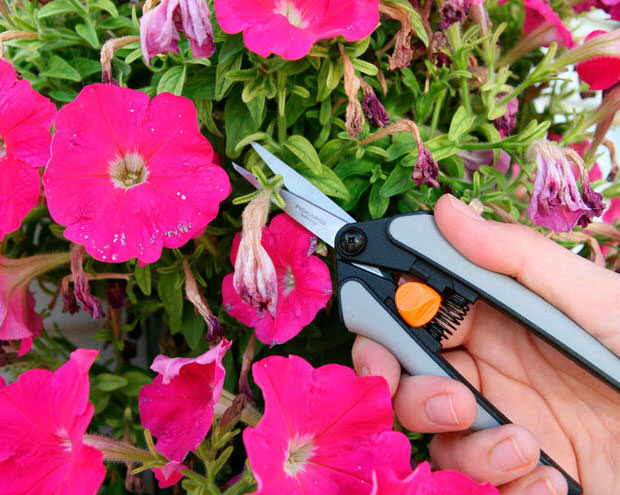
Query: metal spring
[[449, 316]]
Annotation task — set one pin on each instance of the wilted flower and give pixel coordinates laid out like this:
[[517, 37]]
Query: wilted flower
[[25, 120], [424, 482], [18, 319], [193, 294], [453, 11], [352, 83], [603, 71], [426, 169], [439, 45], [332, 430], [474, 159], [255, 277], [44, 416], [403, 53], [81, 289], [373, 108], [303, 282], [121, 179], [289, 28], [507, 122], [556, 202], [160, 26], [177, 407]]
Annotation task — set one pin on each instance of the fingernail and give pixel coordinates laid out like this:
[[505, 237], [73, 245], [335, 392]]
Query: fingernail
[[364, 371], [463, 208], [440, 410], [541, 487], [507, 456]]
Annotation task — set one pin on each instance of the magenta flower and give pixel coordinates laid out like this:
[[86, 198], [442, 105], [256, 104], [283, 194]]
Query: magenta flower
[[613, 212], [44, 416], [324, 430], [129, 176], [304, 283], [289, 28], [160, 26], [507, 122], [426, 169], [612, 7], [170, 474], [424, 482], [177, 407], [600, 72], [18, 319], [25, 120], [453, 11], [373, 108], [556, 202]]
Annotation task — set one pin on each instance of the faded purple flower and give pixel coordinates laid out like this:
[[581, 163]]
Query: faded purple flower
[[115, 294], [373, 108], [594, 201], [426, 169], [453, 11], [474, 159], [193, 294], [160, 26], [507, 122], [81, 289], [556, 202]]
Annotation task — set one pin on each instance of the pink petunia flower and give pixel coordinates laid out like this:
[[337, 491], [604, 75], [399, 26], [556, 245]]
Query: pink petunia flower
[[507, 122], [160, 26], [595, 171], [474, 159], [612, 7], [600, 72], [177, 407], [612, 215], [304, 283], [169, 474], [424, 482], [289, 28], [25, 121], [44, 416], [556, 202], [324, 430], [18, 319], [129, 176]]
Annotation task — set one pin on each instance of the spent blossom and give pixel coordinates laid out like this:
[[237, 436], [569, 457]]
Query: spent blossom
[[160, 26], [507, 122], [25, 121], [194, 295], [123, 181], [81, 288], [453, 11], [403, 53], [352, 83], [178, 406], [556, 202], [289, 28], [332, 430], [303, 283], [44, 416], [373, 108]]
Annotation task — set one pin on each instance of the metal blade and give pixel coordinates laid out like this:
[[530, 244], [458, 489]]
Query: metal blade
[[301, 186]]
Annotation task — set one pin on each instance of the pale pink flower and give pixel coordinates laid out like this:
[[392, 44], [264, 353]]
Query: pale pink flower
[[25, 120], [177, 407], [556, 202], [130, 175], [18, 319], [424, 482], [600, 72], [612, 215], [160, 26], [304, 283], [324, 430], [289, 28], [169, 474], [44, 416]]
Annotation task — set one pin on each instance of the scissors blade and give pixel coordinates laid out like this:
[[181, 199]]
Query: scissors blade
[[299, 185]]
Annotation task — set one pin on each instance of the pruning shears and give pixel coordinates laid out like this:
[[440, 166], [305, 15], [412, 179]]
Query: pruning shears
[[411, 243]]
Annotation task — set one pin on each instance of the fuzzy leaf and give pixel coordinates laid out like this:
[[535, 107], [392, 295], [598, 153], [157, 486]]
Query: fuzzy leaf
[[303, 149], [172, 81]]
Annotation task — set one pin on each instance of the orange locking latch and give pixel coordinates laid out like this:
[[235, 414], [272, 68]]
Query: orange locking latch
[[417, 303]]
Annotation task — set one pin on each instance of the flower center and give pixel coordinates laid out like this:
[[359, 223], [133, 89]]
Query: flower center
[[2, 147], [288, 9], [288, 281], [300, 449], [128, 170]]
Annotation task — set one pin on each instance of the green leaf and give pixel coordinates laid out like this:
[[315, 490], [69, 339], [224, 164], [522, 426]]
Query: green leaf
[[60, 69], [222, 83], [134, 55], [56, 7], [349, 166], [416, 20], [303, 149], [328, 79], [453, 166], [143, 278], [402, 143], [106, 5], [399, 181], [357, 48], [356, 186], [172, 81], [135, 381], [329, 183], [377, 203], [65, 95], [364, 67], [257, 110], [441, 147], [410, 81], [232, 45], [238, 123], [169, 288], [193, 329], [461, 123], [87, 67], [87, 31], [108, 382]]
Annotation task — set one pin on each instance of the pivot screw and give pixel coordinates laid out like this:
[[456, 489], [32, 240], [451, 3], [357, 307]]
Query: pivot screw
[[352, 241]]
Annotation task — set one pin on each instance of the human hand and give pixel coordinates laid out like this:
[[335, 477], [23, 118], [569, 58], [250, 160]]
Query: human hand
[[554, 404]]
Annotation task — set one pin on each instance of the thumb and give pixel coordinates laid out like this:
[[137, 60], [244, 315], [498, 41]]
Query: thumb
[[585, 292]]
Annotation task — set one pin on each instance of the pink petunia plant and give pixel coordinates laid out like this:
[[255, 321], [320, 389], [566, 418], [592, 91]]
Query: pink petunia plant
[[304, 283], [600, 72], [25, 121], [324, 430], [44, 416], [129, 175], [177, 407], [289, 28], [424, 482]]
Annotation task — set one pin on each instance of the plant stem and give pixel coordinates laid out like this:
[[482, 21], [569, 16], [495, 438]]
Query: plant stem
[[281, 95], [436, 112]]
